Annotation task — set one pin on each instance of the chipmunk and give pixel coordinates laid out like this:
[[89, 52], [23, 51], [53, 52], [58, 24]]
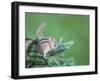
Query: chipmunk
[[45, 44]]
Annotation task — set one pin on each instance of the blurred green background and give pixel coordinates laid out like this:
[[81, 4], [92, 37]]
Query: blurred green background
[[69, 27]]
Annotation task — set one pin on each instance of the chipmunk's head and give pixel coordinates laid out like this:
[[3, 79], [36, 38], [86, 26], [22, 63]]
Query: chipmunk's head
[[52, 42]]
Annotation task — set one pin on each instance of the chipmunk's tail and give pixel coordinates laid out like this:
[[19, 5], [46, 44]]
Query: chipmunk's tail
[[39, 32]]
